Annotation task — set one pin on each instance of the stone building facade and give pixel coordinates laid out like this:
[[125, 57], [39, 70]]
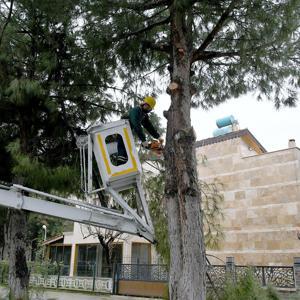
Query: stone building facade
[[261, 197]]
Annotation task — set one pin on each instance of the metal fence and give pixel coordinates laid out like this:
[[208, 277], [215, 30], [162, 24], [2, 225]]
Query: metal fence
[[142, 272], [277, 276], [57, 275], [216, 276]]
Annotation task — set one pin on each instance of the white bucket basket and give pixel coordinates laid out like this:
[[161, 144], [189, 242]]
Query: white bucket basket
[[103, 142]]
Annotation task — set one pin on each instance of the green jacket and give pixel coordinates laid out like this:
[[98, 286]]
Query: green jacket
[[138, 119]]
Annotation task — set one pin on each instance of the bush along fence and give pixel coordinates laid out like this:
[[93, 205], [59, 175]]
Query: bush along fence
[[280, 277], [56, 275]]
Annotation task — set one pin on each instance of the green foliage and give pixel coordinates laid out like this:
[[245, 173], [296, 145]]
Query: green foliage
[[55, 227], [166, 295], [212, 204], [212, 201], [256, 47], [20, 91], [49, 90], [247, 288], [4, 270], [37, 175], [155, 188]]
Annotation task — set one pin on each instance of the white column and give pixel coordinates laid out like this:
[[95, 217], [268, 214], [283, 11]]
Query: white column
[[126, 252], [73, 254]]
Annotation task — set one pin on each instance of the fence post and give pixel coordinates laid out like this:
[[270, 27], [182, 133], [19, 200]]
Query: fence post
[[58, 276], [138, 269], [94, 276], [264, 283], [230, 268], [114, 278], [297, 272], [118, 271]]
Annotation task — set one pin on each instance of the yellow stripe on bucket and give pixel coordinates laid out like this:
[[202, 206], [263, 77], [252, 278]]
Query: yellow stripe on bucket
[[134, 164], [100, 142]]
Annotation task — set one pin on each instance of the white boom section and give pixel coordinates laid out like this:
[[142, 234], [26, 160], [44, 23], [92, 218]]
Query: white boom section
[[73, 210], [101, 141]]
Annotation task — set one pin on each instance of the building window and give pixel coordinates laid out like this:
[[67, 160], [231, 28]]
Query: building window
[[86, 262], [140, 253], [116, 257], [116, 147], [62, 255]]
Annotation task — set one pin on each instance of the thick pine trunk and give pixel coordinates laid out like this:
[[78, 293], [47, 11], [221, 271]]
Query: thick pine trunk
[[17, 244], [188, 266], [16, 237]]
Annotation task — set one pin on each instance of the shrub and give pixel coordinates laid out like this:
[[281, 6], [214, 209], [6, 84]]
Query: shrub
[[4, 268], [246, 288]]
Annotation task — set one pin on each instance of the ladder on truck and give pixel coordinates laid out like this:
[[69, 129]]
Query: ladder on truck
[[99, 144]]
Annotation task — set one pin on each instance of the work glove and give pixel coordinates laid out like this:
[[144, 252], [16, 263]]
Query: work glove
[[145, 144], [161, 140]]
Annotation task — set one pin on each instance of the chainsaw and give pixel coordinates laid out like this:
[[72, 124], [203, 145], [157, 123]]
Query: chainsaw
[[156, 146]]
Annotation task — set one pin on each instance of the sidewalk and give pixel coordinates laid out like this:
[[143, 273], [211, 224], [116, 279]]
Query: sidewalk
[[69, 295]]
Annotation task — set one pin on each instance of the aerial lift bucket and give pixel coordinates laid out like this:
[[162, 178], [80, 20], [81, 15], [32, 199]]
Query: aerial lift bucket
[[100, 143]]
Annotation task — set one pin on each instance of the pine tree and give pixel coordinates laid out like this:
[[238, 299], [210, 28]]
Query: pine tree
[[50, 88], [210, 51]]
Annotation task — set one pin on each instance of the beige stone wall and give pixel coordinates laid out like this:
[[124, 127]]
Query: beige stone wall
[[261, 201]]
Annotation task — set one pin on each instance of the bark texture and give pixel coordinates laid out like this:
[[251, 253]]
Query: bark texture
[[16, 241], [188, 266]]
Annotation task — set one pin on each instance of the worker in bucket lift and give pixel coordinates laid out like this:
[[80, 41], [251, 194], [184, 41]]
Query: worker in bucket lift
[[138, 118]]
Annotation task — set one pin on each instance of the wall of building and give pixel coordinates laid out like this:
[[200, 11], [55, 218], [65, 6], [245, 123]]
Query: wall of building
[[261, 201]]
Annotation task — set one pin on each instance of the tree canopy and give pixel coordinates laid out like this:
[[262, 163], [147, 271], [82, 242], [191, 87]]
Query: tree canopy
[[235, 46], [60, 61]]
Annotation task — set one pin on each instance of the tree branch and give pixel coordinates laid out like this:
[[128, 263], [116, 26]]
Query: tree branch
[[149, 73], [7, 20], [158, 47], [206, 55], [149, 27], [87, 102], [216, 29], [145, 5]]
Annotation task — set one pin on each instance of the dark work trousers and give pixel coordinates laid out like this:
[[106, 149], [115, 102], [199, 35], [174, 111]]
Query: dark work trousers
[[121, 147]]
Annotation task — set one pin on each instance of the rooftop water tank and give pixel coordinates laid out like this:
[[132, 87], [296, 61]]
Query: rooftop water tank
[[223, 130], [229, 120]]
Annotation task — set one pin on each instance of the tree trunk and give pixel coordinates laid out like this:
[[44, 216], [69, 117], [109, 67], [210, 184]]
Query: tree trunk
[[188, 266], [16, 241]]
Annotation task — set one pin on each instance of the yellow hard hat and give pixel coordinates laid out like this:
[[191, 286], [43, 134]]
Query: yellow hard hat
[[150, 100]]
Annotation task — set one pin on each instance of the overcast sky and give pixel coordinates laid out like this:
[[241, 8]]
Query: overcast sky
[[272, 128]]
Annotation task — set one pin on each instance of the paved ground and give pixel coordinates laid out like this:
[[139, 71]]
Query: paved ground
[[68, 295], [290, 296], [62, 295]]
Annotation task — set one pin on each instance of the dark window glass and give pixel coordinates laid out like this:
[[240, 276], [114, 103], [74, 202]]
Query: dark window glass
[[140, 253], [116, 257], [61, 255], [116, 149], [86, 260]]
